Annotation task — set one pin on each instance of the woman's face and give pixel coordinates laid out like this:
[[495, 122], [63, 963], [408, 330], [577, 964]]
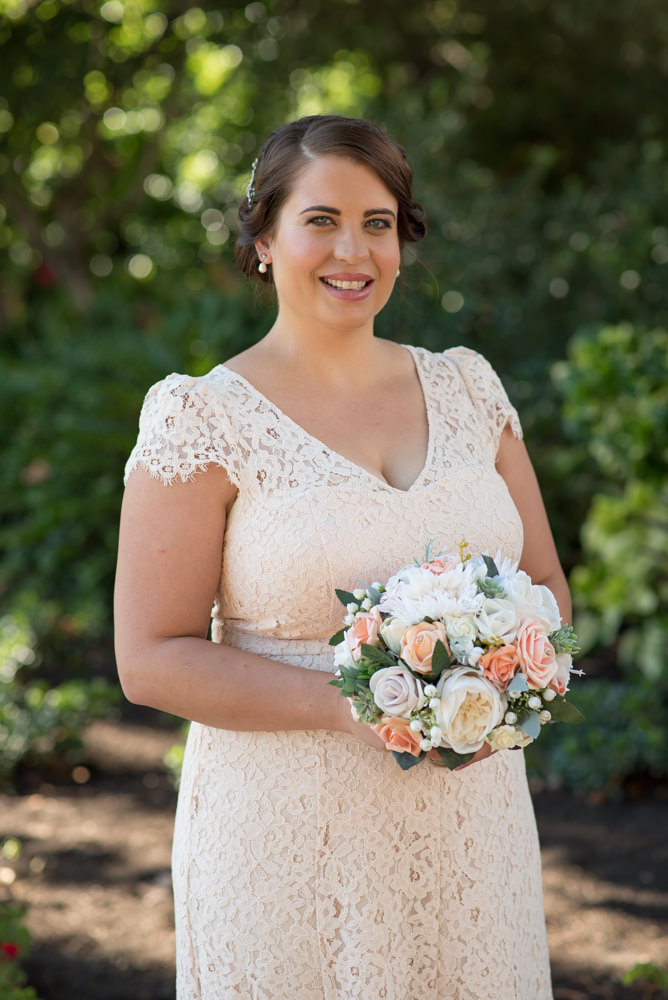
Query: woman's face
[[335, 249]]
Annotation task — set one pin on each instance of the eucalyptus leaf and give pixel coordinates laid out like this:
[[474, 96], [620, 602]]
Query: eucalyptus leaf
[[336, 639], [407, 760], [346, 597], [373, 594], [518, 683], [565, 711], [491, 566], [530, 724]]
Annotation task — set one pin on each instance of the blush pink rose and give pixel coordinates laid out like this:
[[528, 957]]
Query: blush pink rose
[[364, 631], [398, 735], [499, 665], [536, 654], [443, 564], [560, 681], [418, 642]]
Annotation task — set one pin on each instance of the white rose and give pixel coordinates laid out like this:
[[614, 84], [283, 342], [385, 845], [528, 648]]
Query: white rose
[[396, 691], [343, 656], [391, 631], [498, 618], [533, 601], [470, 707]]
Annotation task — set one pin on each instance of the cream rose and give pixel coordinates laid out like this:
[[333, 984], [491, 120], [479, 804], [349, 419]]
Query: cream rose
[[536, 653], [343, 656], [392, 631], [508, 737], [418, 642], [363, 631], [461, 633], [396, 691], [469, 708]]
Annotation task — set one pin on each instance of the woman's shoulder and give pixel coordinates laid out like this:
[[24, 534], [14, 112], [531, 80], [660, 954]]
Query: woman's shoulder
[[185, 423]]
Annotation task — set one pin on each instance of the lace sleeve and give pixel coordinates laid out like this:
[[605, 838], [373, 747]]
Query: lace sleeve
[[486, 390], [183, 427]]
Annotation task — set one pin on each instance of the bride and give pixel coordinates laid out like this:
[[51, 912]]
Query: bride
[[306, 864]]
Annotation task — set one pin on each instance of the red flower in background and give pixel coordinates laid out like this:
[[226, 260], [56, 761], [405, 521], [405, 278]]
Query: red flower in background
[[10, 949]]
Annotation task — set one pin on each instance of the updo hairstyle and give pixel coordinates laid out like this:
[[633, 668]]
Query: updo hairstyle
[[288, 150]]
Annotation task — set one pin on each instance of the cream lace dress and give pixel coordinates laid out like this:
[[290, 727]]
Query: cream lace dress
[[308, 866]]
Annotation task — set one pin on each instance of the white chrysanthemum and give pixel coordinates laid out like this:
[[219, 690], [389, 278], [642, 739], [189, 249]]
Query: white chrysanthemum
[[415, 593]]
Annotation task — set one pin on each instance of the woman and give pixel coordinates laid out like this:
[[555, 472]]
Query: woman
[[306, 863]]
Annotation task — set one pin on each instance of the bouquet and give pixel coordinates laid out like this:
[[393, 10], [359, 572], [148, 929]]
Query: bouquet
[[453, 653]]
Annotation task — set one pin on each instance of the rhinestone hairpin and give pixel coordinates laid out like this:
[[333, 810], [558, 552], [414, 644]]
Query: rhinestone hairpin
[[250, 190]]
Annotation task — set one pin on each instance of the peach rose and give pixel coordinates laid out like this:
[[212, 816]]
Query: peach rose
[[418, 642], [500, 665], [536, 653], [560, 681], [443, 564], [398, 735], [364, 631]]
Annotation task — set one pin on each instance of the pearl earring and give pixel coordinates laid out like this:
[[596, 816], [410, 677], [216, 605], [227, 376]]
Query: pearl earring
[[262, 267], [398, 271]]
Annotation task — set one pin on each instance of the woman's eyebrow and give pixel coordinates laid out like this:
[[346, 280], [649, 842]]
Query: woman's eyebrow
[[336, 211]]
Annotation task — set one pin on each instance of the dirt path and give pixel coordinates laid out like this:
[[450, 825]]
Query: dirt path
[[94, 871]]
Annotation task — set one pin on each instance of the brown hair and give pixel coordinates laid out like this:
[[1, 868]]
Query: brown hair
[[289, 148]]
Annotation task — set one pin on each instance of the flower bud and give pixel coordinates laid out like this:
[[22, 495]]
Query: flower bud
[[352, 608], [429, 690], [416, 725], [377, 586], [349, 619], [535, 703], [435, 735], [367, 604], [513, 695], [434, 702], [358, 594], [545, 716], [510, 718], [549, 694], [425, 745]]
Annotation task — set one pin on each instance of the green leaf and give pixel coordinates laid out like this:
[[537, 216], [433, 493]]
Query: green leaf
[[407, 760], [376, 656], [336, 639], [450, 758], [491, 566], [440, 659], [346, 597], [565, 711], [373, 594]]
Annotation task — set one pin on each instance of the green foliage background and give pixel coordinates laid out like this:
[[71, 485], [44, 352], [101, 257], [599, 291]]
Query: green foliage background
[[538, 132]]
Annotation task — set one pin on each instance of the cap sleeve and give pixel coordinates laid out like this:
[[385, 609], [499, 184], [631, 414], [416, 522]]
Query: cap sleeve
[[183, 427], [486, 390]]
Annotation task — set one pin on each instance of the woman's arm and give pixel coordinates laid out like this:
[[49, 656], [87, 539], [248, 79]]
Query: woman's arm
[[539, 555], [171, 539]]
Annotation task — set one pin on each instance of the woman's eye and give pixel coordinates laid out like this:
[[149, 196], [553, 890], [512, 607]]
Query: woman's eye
[[379, 224], [320, 220]]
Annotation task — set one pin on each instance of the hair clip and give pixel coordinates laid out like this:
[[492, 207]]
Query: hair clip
[[250, 190]]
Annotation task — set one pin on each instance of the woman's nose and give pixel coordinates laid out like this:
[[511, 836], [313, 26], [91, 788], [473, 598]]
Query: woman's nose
[[350, 244]]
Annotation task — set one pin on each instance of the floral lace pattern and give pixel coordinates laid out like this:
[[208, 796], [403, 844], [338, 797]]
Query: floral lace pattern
[[308, 866]]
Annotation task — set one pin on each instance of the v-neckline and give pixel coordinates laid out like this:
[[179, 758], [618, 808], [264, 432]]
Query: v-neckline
[[348, 461]]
